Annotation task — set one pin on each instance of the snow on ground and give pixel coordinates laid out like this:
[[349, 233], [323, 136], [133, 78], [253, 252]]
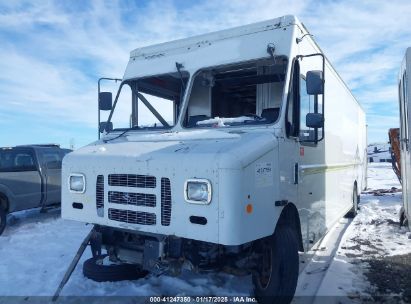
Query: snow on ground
[[372, 235], [36, 249]]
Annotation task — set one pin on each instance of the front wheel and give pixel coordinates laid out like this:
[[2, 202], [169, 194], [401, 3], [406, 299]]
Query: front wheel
[[3, 219], [276, 278]]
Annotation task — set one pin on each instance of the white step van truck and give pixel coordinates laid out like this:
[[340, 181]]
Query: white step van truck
[[255, 148], [404, 95]]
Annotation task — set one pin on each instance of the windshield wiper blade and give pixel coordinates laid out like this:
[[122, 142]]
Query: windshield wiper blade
[[121, 134]]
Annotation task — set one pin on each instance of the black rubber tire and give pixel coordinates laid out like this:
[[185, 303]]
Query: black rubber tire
[[111, 273], [355, 202], [3, 219], [284, 268]]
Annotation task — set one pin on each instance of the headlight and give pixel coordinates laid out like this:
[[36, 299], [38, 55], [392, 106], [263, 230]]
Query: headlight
[[77, 183], [197, 191]]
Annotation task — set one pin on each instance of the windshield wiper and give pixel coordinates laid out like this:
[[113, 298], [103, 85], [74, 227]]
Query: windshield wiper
[[121, 134]]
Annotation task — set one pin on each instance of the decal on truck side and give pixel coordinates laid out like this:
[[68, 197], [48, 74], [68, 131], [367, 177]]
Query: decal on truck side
[[263, 174]]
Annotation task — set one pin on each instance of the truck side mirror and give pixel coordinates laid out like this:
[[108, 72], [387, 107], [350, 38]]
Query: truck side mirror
[[105, 101], [315, 82], [314, 120], [105, 126]]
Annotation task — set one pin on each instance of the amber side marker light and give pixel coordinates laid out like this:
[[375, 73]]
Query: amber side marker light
[[249, 208]]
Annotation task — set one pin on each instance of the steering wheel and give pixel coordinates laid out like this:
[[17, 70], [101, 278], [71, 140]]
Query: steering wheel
[[255, 116]]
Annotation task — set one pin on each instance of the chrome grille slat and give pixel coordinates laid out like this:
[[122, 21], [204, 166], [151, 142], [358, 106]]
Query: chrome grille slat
[[165, 201], [132, 217], [135, 199], [100, 195], [132, 180]]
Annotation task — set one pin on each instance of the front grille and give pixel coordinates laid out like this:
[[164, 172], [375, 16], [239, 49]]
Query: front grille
[[141, 199], [165, 202], [132, 180], [136, 199], [100, 195], [132, 217]]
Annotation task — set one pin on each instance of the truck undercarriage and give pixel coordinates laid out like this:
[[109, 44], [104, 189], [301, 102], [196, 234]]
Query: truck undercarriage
[[159, 253]]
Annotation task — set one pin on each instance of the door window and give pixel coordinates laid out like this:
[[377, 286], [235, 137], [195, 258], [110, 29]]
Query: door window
[[17, 161], [401, 106], [293, 105], [52, 159], [306, 106]]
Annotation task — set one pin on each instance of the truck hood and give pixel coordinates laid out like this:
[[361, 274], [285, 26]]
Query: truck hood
[[226, 150]]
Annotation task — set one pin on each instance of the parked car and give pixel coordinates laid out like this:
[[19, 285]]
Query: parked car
[[30, 177]]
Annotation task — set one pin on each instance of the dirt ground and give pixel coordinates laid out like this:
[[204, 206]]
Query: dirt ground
[[387, 265], [391, 277]]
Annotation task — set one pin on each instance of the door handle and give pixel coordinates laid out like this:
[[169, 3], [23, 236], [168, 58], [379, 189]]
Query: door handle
[[296, 174]]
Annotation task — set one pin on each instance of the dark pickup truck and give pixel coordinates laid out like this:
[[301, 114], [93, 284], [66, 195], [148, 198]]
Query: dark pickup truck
[[30, 177]]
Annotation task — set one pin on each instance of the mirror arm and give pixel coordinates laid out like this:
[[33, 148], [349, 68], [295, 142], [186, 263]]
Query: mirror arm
[[115, 103], [98, 101]]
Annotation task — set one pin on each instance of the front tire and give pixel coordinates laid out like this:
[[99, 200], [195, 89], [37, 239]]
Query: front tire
[[275, 280], [95, 270], [3, 219]]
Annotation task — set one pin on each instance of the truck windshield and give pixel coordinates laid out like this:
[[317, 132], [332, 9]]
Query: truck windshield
[[151, 103], [241, 94]]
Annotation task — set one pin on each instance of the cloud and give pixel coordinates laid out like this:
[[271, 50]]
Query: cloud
[[53, 52]]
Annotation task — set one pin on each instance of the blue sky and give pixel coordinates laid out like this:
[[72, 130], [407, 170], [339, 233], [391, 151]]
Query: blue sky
[[53, 52]]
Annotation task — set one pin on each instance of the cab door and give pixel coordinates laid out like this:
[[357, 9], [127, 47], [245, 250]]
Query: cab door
[[51, 165], [289, 145], [311, 150], [302, 150], [312, 171], [20, 175]]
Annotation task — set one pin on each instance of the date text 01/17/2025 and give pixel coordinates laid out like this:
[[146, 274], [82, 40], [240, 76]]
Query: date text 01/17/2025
[[203, 299]]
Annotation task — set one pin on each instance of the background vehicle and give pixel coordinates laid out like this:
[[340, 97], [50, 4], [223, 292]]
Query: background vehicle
[[30, 177], [255, 148], [404, 94]]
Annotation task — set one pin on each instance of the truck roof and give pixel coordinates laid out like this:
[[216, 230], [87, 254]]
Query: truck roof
[[196, 41]]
